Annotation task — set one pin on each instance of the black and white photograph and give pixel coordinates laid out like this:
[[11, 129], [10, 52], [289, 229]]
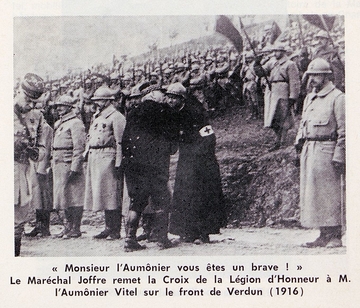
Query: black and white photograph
[[179, 135], [180, 154]]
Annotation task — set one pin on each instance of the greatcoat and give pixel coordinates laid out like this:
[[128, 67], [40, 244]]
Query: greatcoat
[[323, 118], [68, 150], [285, 84], [103, 191]]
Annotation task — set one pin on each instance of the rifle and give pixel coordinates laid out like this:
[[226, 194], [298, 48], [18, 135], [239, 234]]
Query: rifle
[[255, 54]]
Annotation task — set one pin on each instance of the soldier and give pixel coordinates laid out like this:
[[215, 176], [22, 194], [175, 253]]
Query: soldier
[[325, 50], [29, 151], [321, 141], [285, 88], [197, 85], [250, 85], [103, 190], [147, 148], [182, 75], [67, 165]]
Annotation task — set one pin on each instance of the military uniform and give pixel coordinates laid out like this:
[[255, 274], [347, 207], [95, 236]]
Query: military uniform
[[104, 155], [147, 146], [68, 150], [322, 128]]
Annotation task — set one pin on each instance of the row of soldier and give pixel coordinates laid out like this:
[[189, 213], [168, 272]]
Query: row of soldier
[[158, 122]]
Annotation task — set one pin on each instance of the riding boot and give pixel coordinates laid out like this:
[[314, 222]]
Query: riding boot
[[77, 216], [38, 225], [45, 225], [108, 219], [115, 225], [147, 225], [132, 226], [18, 230], [161, 227], [67, 224]]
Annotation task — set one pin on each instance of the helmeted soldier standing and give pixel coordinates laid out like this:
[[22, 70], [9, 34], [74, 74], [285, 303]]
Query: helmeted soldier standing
[[104, 176], [285, 88], [321, 140], [68, 174]]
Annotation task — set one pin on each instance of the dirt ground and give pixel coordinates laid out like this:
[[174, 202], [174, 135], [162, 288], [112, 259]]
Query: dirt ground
[[245, 241]]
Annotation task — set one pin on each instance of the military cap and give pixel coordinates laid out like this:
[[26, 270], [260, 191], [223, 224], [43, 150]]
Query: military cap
[[103, 93], [65, 100], [322, 33], [54, 88], [154, 74], [176, 89], [168, 71], [32, 85], [180, 65], [88, 81]]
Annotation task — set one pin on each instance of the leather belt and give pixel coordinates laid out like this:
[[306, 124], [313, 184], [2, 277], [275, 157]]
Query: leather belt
[[62, 148], [321, 138], [96, 147]]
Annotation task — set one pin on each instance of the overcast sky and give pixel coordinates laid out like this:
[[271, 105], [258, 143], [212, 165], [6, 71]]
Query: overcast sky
[[51, 45]]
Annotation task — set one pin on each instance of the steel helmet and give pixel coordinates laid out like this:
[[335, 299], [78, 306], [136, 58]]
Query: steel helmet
[[65, 100], [103, 93], [176, 89], [319, 66]]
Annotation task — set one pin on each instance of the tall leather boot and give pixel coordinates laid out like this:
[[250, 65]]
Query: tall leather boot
[[68, 223], [115, 225], [18, 230], [77, 216], [104, 234], [131, 243], [161, 227], [45, 225], [147, 225], [38, 225]]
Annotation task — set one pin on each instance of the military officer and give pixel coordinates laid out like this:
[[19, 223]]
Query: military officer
[[147, 148], [29, 151], [321, 141], [103, 190], [67, 165]]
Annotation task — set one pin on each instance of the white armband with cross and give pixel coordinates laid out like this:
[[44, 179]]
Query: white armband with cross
[[206, 131]]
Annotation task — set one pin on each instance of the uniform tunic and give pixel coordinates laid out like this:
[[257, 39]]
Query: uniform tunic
[[102, 191], [285, 83], [68, 150], [320, 193], [28, 128], [198, 206]]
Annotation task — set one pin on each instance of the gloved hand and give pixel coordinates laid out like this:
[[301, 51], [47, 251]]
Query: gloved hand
[[339, 167]]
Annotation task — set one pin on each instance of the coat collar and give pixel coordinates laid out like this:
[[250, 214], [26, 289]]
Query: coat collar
[[326, 90], [109, 110], [69, 116]]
